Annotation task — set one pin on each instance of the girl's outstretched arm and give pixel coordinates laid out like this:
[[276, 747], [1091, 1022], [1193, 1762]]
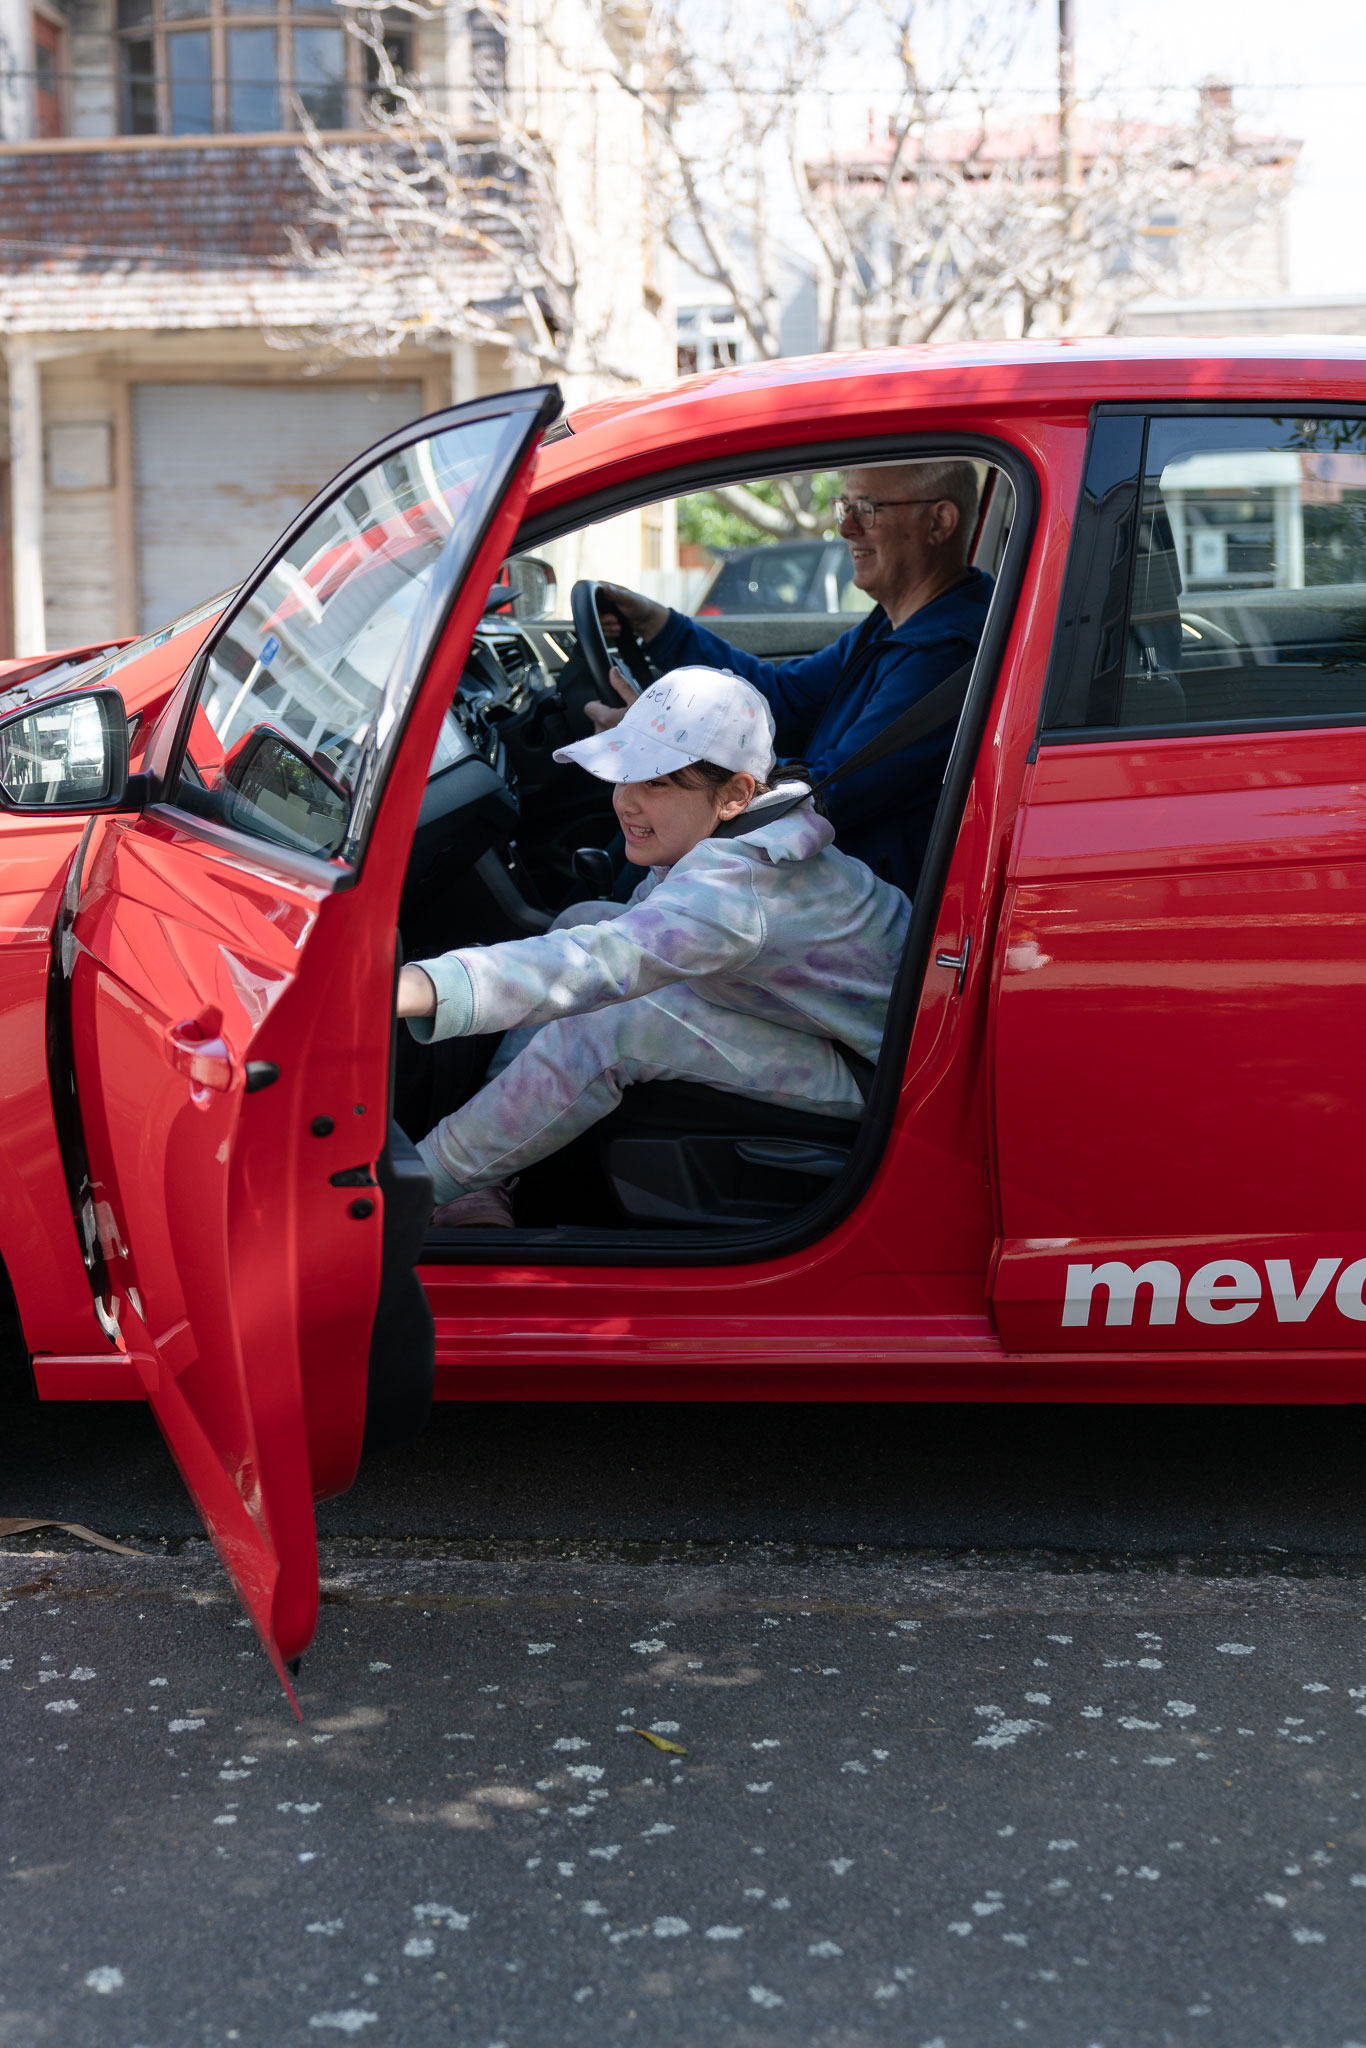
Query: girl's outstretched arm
[[704, 919]]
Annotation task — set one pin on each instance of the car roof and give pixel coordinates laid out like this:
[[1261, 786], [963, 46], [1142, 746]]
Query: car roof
[[1051, 366], [852, 393]]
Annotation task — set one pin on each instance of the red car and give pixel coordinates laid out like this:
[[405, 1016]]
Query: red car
[[1113, 1146], [57, 666]]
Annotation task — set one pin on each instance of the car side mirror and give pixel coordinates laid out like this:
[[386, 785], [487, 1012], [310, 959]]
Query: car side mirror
[[533, 585], [272, 788], [68, 754]]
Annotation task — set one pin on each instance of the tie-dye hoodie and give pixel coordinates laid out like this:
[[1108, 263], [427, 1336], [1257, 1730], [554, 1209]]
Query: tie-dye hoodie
[[776, 924]]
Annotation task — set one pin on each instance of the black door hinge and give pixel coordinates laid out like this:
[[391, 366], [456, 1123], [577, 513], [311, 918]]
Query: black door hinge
[[352, 1177]]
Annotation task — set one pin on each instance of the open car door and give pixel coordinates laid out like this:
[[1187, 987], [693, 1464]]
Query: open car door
[[228, 968]]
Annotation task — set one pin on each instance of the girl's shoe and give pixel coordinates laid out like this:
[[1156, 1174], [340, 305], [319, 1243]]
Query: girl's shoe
[[482, 1209]]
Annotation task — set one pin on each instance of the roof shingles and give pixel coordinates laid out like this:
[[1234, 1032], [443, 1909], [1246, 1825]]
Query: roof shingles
[[128, 238]]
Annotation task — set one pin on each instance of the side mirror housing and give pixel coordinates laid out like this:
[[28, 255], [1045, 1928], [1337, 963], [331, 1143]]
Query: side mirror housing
[[68, 755], [272, 788], [532, 586]]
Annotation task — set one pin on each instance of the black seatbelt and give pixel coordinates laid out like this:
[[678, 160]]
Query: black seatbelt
[[926, 715], [877, 626], [862, 1069]]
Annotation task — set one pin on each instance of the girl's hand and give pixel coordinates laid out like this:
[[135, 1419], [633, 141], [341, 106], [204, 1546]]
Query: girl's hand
[[416, 995]]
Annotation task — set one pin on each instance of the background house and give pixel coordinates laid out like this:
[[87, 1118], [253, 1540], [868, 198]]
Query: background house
[[1276, 313], [160, 429], [709, 331], [1011, 226]]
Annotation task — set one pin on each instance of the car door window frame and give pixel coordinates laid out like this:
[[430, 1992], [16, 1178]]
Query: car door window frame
[[1078, 635], [337, 871]]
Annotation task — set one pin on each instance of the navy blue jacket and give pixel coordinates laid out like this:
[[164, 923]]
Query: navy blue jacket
[[827, 706]]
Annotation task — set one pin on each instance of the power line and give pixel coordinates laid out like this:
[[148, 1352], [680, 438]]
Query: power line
[[721, 90]]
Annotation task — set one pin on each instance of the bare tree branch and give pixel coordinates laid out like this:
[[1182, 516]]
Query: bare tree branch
[[944, 228], [950, 221], [438, 227], [793, 514]]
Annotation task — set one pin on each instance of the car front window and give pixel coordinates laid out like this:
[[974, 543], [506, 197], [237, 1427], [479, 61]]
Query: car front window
[[306, 684]]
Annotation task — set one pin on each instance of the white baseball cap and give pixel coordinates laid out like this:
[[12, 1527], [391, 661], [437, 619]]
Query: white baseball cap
[[691, 714]]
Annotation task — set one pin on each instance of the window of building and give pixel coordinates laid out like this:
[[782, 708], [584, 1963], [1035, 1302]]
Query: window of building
[[709, 338], [241, 67], [1247, 601], [398, 48], [48, 69]]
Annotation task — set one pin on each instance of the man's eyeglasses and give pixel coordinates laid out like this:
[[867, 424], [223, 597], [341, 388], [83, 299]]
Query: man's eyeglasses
[[864, 511]]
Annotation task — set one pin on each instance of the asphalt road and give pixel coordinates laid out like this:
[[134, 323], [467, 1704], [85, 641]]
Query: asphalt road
[[994, 1725]]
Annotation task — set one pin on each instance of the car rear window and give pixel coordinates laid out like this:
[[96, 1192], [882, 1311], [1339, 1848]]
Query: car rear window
[[767, 579], [1247, 603]]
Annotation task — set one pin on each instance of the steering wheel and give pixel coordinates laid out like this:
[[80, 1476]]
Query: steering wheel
[[1209, 629], [598, 651]]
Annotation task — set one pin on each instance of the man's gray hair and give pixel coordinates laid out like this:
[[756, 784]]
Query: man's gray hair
[[958, 480], [952, 477]]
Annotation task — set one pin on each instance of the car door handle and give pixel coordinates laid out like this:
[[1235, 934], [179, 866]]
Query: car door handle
[[206, 1061], [958, 962]]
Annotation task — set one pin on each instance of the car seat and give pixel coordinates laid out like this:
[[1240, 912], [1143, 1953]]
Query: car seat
[[676, 1153]]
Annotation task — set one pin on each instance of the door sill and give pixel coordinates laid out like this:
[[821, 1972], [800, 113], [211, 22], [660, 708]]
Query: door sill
[[563, 1243]]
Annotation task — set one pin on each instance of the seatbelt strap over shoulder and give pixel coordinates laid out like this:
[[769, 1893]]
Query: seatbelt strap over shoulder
[[926, 715]]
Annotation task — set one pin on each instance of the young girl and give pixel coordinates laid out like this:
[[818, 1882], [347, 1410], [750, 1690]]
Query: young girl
[[741, 962]]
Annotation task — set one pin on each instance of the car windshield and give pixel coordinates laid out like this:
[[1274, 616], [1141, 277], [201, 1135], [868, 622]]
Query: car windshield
[[88, 675], [50, 680]]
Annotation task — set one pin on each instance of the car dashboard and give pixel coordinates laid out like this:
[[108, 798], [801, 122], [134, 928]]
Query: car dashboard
[[470, 808], [508, 668]]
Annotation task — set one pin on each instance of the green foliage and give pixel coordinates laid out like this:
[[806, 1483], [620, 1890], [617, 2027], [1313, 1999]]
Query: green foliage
[[712, 525], [706, 520]]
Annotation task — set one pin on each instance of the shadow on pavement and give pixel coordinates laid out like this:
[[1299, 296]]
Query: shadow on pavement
[[1123, 1480]]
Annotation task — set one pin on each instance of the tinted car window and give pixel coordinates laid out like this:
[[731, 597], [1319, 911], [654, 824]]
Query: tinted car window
[[1248, 594], [812, 576], [774, 579]]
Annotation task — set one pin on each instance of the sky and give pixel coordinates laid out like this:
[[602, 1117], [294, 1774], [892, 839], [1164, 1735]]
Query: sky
[[1298, 67]]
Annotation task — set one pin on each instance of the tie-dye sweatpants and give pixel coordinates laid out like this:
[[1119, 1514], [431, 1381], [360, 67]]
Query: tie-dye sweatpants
[[551, 1082]]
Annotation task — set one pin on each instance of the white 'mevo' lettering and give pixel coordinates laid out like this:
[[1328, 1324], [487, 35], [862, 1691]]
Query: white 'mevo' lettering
[[1224, 1291], [1297, 1308], [1348, 1295], [1122, 1283]]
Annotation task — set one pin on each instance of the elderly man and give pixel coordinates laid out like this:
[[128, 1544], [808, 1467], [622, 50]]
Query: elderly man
[[908, 526]]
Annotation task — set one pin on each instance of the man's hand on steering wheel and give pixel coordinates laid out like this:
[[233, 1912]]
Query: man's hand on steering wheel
[[642, 613], [602, 717], [605, 620]]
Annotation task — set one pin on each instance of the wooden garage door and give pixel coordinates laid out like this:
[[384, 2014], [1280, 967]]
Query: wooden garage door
[[219, 470]]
